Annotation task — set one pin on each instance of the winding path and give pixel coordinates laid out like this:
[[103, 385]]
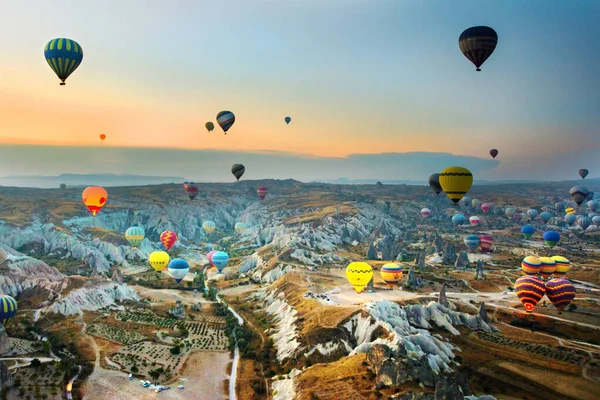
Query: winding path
[[236, 354]]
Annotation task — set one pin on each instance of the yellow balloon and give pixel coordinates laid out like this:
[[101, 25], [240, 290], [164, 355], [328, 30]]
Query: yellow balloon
[[563, 265], [548, 267], [159, 260], [456, 182], [391, 274], [359, 274], [570, 210]]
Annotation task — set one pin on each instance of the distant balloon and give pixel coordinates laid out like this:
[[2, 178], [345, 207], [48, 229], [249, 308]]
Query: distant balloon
[[475, 220], [527, 231], [486, 242], [425, 212], [551, 238], [8, 309], [458, 219], [475, 203], [545, 216], [225, 119], [262, 192], [517, 217], [584, 222], [548, 267], [590, 195], [434, 182], [530, 290], [456, 182], [510, 211], [563, 265], [240, 227], [471, 241], [359, 274], [288, 120], [102, 137], [578, 194], [63, 56], [391, 274], [533, 213], [486, 207], [466, 201], [493, 153], [561, 292], [209, 126], [593, 205], [220, 260], [210, 255], [159, 260], [570, 219], [531, 265], [583, 173], [168, 239], [94, 197], [178, 269], [134, 236], [209, 227], [570, 210], [596, 220], [559, 206], [477, 44], [238, 170], [191, 191]]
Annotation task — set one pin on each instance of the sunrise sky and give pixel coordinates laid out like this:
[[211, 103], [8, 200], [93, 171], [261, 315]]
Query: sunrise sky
[[355, 76]]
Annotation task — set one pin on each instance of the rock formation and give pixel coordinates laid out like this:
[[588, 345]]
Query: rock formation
[[449, 254], [462, 261], [479, 270], [177, 310]]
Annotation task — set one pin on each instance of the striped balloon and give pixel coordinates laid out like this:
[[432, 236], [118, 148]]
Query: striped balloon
[[134, 236], [210, 255], [391, 274], [471, 241], [238, 170], [584, 222], [178, 269], [209, 227], [262, 192], [240, 227], [63, 56], [477, 44], [563, 265], [220, 260], [486, 242], [570, 219], [225, 119], [485, 207], [456, 182], [560, 292], [8, 309], [425, 212], [531, 265], [530, 290], [168, 239], [475, 220], [596, 220], [548, 267]]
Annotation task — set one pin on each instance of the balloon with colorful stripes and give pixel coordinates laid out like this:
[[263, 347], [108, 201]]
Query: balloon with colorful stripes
[[561, 292], [486, 242], [238, 170], [530, 290], [391, 274], [63, 56], [8, 309], [135, 235], [548, 267], [225, 119], [168, 239], [209, 227], [531, 265], [475, 220], [425, 212], [563, 265]]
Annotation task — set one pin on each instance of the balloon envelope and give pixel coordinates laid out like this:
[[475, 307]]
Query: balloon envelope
[[578, 194], [220, 260], [563, 265], [527, 231], [458, 219], [288, 120], [570, 219], [391, 273], [102, 137], [561, 292], [209, 126], [475, 220], [94, 197], [168, 239], [477, 44], [209, 227], [238, 170], [531, 265], [583, 173], [551, 238], [584, 222], [456, 182], [225, 119], [359, 274], [63, 56], [548, 267], [545, 216], [8, 309], [159, 260], [262, 192], [135, 235], [485, 207], [191, 191], [486, 242], [434, 182], [530, 290], [178, 269], [533, 213], [593, 205], [425, 212], [493, 153], [210, 255], [471, 241]]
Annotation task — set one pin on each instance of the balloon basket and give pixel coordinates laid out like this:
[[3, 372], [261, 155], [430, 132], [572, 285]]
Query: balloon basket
[[62, 84]]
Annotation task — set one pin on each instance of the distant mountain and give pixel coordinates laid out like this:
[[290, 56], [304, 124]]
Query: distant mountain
[[87, 179], [346, 181]]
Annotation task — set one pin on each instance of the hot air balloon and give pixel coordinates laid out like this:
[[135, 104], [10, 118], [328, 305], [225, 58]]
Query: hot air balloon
[[596, 220], [191, 191], [475, 203], [570, 219], [209, 227], [477, 44], [466, 201], [493, 153], [545, 216], [486, 207], [548, 267], [560, 292], [584, 222], [570, 210], [8, 309], [159, 260], [94, 197], [456, 182], [551, 238], [134, 236], [220, 260], [225, 119], [63, 56], [474, 220], [186, 184], [593, 205], [590, 195], [517, 217], [168, 239], [425, 212], [209, 126], [210, 255], [471, 241], [102, 137], [533, 213], [391, 274], [583, 173], [288, 120], [486, 242], [578, 194], [262, 192], [531, 265], [240, 227], [458, 219], [178, 269], [530, 290], [434, 182], [563, 265], [527, 231], [238, 170], [359, 274]]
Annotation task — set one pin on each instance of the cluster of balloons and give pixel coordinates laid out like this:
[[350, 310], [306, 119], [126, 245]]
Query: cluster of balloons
[[474, 241], [530, 289], [359, 274], [218, 259]]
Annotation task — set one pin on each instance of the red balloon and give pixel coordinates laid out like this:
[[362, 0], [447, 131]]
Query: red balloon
[[486, 242], [168, 239], [262, 192], [493, 153], [102, 137]]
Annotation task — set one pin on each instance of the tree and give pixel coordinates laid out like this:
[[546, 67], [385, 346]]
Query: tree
[[175, 350], [35, 363], [63, 186], [134, 369]]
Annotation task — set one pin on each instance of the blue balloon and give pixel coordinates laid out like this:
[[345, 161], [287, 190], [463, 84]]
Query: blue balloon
[[551, 238], [570, 219], [288, 120], [472, 241], [545, 216], [220, 260], [458, 219], [527, 231], [63, 56], [178, 268]]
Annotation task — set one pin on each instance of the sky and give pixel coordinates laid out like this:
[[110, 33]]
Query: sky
[[360, 79]]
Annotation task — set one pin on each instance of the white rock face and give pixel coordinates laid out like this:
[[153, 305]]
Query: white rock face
[[94, 297]]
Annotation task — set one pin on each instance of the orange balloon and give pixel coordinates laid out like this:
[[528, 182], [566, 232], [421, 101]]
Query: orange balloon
[[94, 197], [102, 137]]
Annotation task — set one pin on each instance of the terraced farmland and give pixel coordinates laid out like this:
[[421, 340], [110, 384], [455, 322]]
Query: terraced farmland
[[115, 334]]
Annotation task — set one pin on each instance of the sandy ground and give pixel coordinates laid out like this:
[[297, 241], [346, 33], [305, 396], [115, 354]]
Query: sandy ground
[[170, 295], [205, 372]]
